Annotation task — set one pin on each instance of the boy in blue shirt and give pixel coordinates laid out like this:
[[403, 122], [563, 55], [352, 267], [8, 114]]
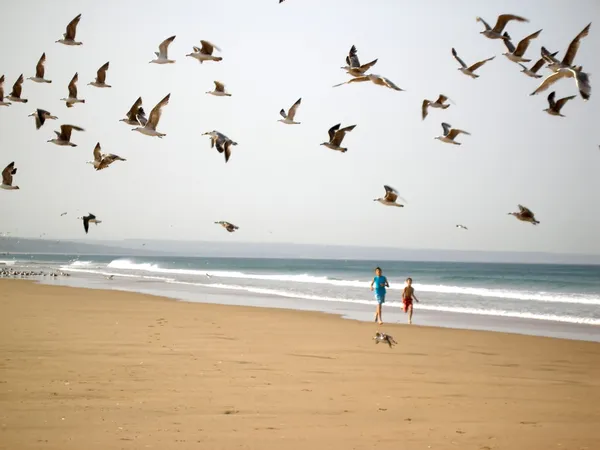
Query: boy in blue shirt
[[380, 282]]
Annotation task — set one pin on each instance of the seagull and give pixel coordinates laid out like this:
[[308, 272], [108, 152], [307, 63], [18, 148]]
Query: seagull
[[40, 117], [136, 114], [205, 53], [64, 137], [63, 214], [2, 102], [90, 218], [72, 98], [533, 72], [516, 54], [556, 106], [439, 103], [7, 177], [219, 90], [149, 128], [69, 36], [228, 226], [391, 195], [461, 227], [102, 161], [289, 117], [376, 79], [162, 55], [336, 136], [524, 215], [100, 78], [353, 66], [450, 133], [496, 32], [110, 277], [470, 71], [554, 64], [582, 80], [15, 95], [382, 337], [39, 71], [222, 142]]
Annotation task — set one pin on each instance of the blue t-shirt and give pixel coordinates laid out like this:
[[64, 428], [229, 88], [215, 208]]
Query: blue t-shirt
[[379, 283]]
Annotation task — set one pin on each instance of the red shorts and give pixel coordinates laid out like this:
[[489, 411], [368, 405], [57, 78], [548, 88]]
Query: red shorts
[[406, 302]]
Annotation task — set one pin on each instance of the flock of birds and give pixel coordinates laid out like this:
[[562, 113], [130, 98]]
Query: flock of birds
[[136, 115]]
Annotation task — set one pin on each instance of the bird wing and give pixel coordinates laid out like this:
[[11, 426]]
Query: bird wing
[[460, 61], [101, 74], [537, 66], [574, 46], [441, 99], [503, 19], [339, 135], [292, 112], [390, 194], [485, 24], [133, 111], [424, 110], [549, 81], [549, 57], [208, 47], [73, 86], [156, 112], [219, 87], [560, 103], [524, 43], [386, 82], [65, 131], [446, 127], [508, 43], [163, 48], [525, 211], [97, 153], [141, 117], [2, 88], [282, 112], [227, 150], [367, 66], [86, 223], [39, 69], [7, 174], [455, 132], [352, 58], [72, 28], [40, 118], [478, 64], [582, 80], [17, 87], [332, 131]]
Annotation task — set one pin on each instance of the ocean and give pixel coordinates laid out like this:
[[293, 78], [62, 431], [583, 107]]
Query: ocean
[[541, 299]]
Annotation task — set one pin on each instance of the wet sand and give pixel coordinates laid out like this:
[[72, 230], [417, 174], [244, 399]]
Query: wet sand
[[96, 369]]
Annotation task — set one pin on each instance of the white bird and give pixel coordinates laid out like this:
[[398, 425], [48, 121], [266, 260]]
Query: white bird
[[567, 62], [222, 142], [102, 161], [353, 66], [64, 137], [2, 102], [533, 72], [219, 90], [206, 52], [69, 36], [450, 133], [289, 117], [555, 106], [72, 98], [439, 103], [375, 79], [462, 227], [149, 129], [7, 177], [41, 116], [17, 89], [390, 198], [162, 55], [40, 71], [90, 218], [470, 71], [516, 54], [336, 136], [582, 80], [228, 226], [496, 32], [100, 80], [136, 114]]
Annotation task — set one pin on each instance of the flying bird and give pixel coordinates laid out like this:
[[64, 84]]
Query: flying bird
[[228, 226], [384, 338], [524, 215], [41, 116], [219, 90], [289, 117], [470, 71], [567, 62], [100, 80], [69, 36], [390, 198], [2, 102], [63, 214], [64, 137], [555, 106], [533, 72], [162, 55], [516, 54], [136, 114], [450, 134], [7, 177], [582, 80], [222, 143], [439, 103], [375, 79], [40, 71], [102, 161], [149, 129], [15, 95], [336, 136], [496, 32], [353, 66], [72, 98], [461, 227], [206, 52], [90, 218]]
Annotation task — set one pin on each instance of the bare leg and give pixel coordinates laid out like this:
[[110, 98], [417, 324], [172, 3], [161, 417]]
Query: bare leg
[[380, 315], [377, 312], [410, 311]]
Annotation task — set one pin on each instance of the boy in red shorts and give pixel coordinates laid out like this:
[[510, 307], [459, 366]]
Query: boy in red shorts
[[408, 294]]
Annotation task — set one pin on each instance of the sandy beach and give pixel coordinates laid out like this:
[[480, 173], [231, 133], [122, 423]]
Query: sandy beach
[[104, 369]]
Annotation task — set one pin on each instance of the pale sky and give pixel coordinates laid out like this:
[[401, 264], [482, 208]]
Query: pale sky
[[279, 179]]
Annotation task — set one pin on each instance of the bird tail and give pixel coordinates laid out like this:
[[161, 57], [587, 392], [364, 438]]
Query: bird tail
[[25, 100], [218, 58]]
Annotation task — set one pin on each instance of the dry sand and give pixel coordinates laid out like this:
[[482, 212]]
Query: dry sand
[[89, 369]]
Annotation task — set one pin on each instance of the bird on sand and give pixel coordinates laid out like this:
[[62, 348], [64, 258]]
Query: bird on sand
[[496, 32], [90, 218], [462, 227], [17, 89], [205, 53], [149, 129], [69, 36], [567, 61], [40, 71], [72, 98], [450, 134], [136, 114], [556, 105], [162, 55], [470, 71], [336, 136], [390, 198], [533, 72], [7, 177], [40, 117], [289, 117], [228, 226], [64, 137], [384, 338], [222, 142], [2, 101], [516, 54], [100, 80], [439, 103], [101, 160], [375, 79], [524, 215], [582, 80], [353, 66], [219, 90]]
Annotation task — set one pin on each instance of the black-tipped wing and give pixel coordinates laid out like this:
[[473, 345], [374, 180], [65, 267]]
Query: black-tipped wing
[[134, 110], [156, 112], [446, 127], [101, 74], [17, 87], [524, 43], [460, 61], [574, 46], [73, 86], [72, 28], [478, 64], [7, 174], [39, 69], [332, 131], [208, 47], [503, 19], [352, 58]]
